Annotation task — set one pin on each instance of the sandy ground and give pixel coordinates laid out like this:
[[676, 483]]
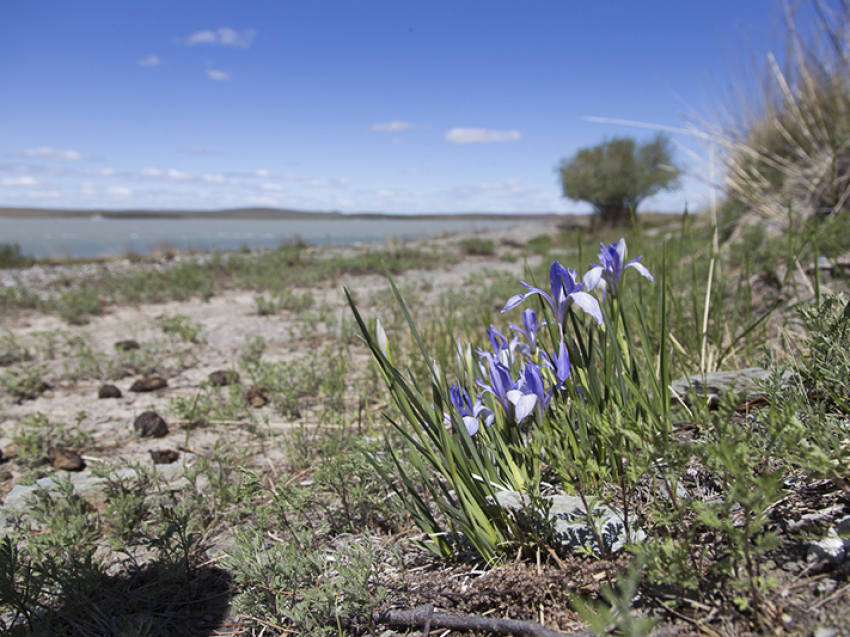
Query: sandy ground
[[228, 321]]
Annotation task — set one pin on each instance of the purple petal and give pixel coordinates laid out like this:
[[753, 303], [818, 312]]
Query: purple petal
[[523, 404], [471, 425]]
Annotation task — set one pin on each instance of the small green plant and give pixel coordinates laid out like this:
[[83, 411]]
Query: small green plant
[[477, 246], [77, 306], [11, 256], [27, 382], [37, 437], [180, 325]]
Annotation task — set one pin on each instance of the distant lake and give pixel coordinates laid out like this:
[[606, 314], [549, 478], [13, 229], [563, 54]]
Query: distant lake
[[103, 237]]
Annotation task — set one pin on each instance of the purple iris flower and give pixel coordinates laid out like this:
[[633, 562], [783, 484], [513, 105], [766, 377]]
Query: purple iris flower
[[502, 350], [608, 274], [529, 329], [500, 384], [529, 393], [469, 412], [566, 290]]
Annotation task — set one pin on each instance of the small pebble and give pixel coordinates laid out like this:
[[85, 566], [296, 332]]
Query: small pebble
[[221, 378], [151, 382], [150, 423], [109, 391], [164, 456], [67, 460], [257, 396]]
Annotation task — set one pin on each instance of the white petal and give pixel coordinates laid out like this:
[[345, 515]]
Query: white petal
[[593, 276], [640, 268], [589, 304]]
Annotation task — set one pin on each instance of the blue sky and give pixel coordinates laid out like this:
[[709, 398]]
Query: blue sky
[[385, 106]]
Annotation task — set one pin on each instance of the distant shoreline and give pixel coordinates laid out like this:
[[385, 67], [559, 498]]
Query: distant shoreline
[[263, 214]]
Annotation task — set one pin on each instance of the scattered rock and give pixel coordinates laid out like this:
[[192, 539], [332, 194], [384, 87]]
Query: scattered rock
[[150, 423], [164, 456], [109, 391], [151, 382], [222, 378], [257, 396], [10, 452], [5, 475], [569, 518], [86, 486], [829, 549], [126, 346], [67, 460]]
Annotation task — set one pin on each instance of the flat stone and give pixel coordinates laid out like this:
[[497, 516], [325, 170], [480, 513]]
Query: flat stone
[[6, 475], [151, 382], [829, 549], [109, 391], [221, 378], [569, 518], [86, 486], [715, 384], [67, 460], [150, 423]]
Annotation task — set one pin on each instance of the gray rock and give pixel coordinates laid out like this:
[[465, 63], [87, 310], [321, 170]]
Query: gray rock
[[569, 518], [829, 549], [715, 384], [86, 486], [151, 382]]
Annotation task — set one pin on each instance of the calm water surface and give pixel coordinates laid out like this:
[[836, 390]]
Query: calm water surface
[[102, 237]]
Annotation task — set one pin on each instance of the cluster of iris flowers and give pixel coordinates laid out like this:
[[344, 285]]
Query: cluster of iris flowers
[[519, 397]]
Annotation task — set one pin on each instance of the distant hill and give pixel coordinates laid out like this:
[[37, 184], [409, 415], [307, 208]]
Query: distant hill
[[249, 213]]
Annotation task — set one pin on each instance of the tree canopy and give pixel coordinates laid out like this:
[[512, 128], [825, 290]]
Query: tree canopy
[[615, 176]]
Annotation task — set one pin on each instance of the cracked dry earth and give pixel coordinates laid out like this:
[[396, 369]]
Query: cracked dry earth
[[808, 595]]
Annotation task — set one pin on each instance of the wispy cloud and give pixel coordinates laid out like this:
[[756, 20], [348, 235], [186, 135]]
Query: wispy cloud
[[151, 60], [219, 76], [19, 181], [46, 152], [395, 126], [481, 136], [197, 150], [224, 36], [119, 191]]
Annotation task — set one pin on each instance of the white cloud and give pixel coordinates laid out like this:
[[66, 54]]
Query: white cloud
[[176, 175], [151, 60], [395, 126], [272, 187], [399, 142], [214, 179], [150, 172], [19, 181], [46, 152], [262, 172], [481, 135], [88, 189], [119, 191], [224, 36], [220, 76]]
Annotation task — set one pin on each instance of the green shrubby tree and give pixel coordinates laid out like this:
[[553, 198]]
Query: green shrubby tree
[[615, 176]]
